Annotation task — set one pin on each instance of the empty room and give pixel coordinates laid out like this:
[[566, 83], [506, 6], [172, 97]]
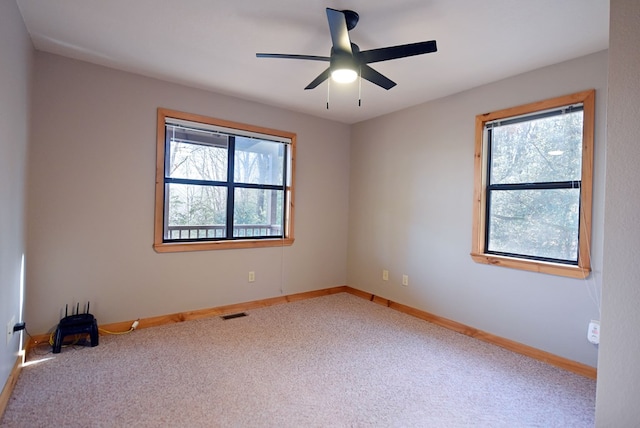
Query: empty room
[[342, 213]]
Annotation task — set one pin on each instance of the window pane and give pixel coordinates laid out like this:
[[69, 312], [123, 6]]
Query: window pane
[[258, 161], [257, 212], [536, 223], [541, 150], [195, 212], [196, 155]]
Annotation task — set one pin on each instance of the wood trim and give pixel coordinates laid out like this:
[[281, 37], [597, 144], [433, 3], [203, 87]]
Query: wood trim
[[547, 104], [192, 117], [586, 193], [291, 189], [532, 265], [587, 98], [10, 384], [479, 192], [174, 247], [124, 326], [162, 247], [519, 348], [158, 230], [224, 310]]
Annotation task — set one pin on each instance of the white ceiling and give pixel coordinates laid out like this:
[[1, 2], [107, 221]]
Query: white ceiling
[[211, 44]]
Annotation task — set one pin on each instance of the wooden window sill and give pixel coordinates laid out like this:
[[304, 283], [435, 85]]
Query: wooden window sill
[[532, 265], [176, 247]]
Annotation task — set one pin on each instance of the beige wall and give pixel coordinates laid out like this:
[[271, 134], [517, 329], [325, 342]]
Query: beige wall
[[618, 391], [411, 213], [16, 55], [91, 208], [91, 201]]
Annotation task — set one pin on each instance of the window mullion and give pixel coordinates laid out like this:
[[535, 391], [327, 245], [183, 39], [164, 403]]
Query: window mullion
[[285, 196], [167, 150], [230, 185], [541, 185], [487, 207], [196, 182]]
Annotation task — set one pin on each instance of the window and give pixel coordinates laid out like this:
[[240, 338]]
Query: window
[[533, 181], [221, 184]]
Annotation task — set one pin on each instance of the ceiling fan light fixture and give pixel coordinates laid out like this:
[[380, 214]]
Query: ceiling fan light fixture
[[344, 75], [347, 62]]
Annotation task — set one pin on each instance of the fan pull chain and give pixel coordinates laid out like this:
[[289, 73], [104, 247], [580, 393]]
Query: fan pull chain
[[328, 87], [360, 88]]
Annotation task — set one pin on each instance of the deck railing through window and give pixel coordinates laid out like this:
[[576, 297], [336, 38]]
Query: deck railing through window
[[218, 231]]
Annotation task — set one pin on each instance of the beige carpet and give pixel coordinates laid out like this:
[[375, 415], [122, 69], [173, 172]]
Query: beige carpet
[[334, 361]]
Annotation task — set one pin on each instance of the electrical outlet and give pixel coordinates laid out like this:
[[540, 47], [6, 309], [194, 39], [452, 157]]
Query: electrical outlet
[[385, 275], [10, 325], [405, 280], [252, 276]]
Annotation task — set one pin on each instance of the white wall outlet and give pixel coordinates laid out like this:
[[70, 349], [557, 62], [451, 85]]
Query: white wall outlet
[[252, 276], [405, 280], [593, 335], [10, 325], [385, 275]]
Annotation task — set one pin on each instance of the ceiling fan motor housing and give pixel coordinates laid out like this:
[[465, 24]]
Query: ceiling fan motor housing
[[352, 18], [342, 60]]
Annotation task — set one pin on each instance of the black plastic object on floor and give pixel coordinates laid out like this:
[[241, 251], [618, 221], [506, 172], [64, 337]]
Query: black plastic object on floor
[[76, 324]]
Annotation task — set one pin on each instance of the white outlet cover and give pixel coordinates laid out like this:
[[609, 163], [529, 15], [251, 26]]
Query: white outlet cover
[[10, 325]]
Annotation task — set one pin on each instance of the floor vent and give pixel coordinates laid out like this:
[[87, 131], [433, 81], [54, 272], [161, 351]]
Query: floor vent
[[232, 316]]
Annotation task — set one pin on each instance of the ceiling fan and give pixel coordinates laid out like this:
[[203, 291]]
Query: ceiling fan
[[347, 61]]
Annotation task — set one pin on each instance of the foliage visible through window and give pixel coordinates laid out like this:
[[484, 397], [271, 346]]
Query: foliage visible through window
[[222, 184], [535, 191]]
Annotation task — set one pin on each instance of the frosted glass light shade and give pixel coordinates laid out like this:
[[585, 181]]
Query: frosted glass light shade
[[344, 75]]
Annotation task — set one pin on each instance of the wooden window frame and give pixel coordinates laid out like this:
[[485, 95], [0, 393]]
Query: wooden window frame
[[478, 254], [160, 245]]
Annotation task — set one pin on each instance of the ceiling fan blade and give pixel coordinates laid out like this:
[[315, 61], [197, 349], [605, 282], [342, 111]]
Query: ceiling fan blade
[[374, 77], [318, 80], [339, 31], [394, 52], [287, 56]]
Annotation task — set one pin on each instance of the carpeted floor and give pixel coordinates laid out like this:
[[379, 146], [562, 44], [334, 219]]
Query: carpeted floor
[[333, 361]]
